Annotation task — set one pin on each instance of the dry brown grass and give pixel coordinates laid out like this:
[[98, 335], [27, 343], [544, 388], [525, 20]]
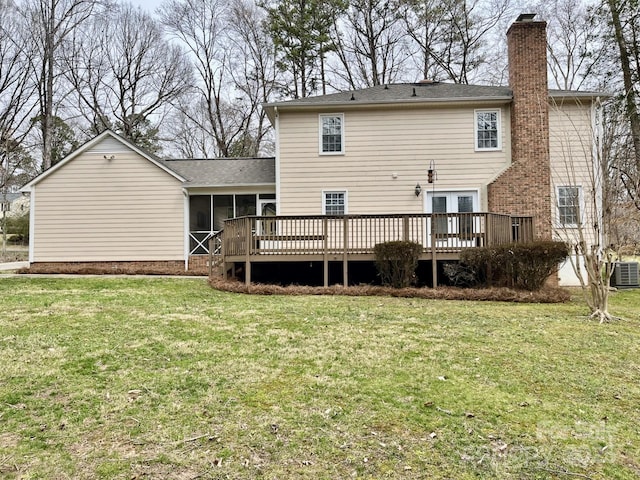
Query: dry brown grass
[[545, 295]]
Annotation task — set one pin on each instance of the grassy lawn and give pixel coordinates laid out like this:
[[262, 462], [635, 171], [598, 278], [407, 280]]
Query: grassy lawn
[[164, 378]]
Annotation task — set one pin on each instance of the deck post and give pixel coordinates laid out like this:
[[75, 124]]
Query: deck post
[[247, 246], [434, 261], [325, 253], [210, 256], [345, 261], [405, 228], [224, 258]]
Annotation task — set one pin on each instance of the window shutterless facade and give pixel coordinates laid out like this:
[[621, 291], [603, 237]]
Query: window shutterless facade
[[487, 130], [569, 205], [331, 134], [334, 203]]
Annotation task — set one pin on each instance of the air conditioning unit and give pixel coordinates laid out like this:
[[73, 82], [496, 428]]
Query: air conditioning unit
[[625, 275]]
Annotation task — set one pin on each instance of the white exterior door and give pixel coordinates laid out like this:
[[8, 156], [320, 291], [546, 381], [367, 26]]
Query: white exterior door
[[267, 208], [455, 231]]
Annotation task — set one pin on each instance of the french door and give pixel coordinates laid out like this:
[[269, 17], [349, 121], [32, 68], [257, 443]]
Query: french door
[[451, 223]]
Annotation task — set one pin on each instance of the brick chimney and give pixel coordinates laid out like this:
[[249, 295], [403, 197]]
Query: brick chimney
[[525, 187]]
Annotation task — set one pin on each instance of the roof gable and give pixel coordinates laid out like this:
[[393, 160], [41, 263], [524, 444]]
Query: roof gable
[[107, 142]]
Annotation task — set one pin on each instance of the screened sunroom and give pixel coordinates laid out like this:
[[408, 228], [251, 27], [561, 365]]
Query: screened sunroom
[[207, 214]]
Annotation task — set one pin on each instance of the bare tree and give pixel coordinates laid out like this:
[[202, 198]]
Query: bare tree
[[625, 21], [370, 44], [201, 26], [16, 84], [575, 48], [451, 38], [16, 105], [425, 24], [134, 77], [618, 155], [50, 22], [583, 212], [254, 71], [470, 25], [86, 68]]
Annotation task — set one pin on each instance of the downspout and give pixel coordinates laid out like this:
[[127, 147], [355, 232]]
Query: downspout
[[185, 222], [277, 115], [32, 223], [599, 170]]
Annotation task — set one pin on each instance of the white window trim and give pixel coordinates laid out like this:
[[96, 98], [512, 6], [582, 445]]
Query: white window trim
[[580, 206], [324, 115], [335, 190], [475, 129]]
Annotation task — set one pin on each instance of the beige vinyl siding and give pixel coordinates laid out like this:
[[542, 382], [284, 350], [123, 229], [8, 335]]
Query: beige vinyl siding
[[387, 151], [571, 149], [95, 209]]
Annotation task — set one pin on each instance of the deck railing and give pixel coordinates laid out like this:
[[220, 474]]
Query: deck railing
[[358, 234]]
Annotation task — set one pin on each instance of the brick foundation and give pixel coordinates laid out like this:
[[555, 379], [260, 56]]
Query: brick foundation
[[198, 265], [525, 187]]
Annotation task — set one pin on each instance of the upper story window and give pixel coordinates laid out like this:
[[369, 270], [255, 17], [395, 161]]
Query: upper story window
[[331, 134], [569, 206], [334, 203], [487, 130]]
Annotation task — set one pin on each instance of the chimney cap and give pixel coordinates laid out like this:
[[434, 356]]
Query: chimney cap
[[525, 17]]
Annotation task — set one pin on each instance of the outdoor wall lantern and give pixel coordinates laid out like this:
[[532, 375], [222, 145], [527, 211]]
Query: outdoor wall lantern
[[417, 190]]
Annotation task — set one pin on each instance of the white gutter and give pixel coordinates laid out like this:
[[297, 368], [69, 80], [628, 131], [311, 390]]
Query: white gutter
[[185, 223]]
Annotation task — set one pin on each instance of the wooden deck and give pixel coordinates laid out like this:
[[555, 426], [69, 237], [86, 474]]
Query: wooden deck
[[349, 238]]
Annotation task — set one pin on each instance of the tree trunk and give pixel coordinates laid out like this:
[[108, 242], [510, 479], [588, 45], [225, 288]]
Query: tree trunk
[[631, 104]]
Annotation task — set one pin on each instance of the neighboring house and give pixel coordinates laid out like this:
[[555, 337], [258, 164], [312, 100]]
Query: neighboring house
[[15, 203], [111, 206], [449, 166]]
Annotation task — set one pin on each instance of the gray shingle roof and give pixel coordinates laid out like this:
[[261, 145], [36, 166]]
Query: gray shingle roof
[[577, 94], [224, 171], [406, 92], [415, 93]]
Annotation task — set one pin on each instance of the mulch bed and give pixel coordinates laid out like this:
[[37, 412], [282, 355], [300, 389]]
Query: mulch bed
[[545, 295]]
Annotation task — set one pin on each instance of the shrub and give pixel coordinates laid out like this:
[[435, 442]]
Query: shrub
[[396, 262], [18, 227], [518, 265], [461, 275]]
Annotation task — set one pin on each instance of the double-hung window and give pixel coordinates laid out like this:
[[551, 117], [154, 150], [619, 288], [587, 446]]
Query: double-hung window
[[331, 134], [569, 206], [487, 130], [334, 203]]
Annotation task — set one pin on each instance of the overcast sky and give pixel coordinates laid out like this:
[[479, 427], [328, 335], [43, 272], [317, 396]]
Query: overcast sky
[[149, 5]]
